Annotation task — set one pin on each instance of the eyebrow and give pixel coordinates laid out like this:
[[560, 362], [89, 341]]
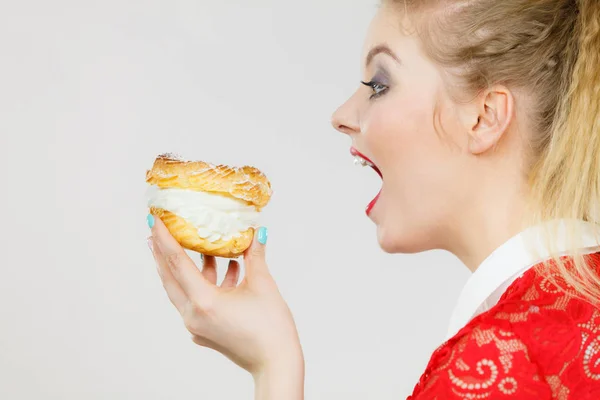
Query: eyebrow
[[382, 48]]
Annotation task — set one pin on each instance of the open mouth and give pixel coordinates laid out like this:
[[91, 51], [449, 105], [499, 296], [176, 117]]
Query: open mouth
[[361, 159]]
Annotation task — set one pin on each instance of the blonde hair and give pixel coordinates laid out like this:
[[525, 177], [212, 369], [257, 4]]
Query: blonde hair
[[549, 49]]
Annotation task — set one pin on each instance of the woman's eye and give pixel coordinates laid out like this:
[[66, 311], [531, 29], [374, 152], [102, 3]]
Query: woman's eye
[[377, 88]]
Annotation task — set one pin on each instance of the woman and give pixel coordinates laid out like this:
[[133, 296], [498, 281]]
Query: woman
[[483, 119]]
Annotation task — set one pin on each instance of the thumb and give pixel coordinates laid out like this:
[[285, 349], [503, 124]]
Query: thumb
[[254, 256]]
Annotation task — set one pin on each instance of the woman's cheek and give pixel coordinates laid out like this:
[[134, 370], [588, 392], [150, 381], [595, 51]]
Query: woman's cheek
[[385, 127]]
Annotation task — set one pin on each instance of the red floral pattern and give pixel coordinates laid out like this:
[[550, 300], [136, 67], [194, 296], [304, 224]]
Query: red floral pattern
[[537, 342]]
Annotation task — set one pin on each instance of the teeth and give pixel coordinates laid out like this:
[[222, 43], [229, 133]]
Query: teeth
[[361, 161]]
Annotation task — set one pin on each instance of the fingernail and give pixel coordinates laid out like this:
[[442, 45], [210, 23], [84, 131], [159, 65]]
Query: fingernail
[[262, 235], [150, 219]]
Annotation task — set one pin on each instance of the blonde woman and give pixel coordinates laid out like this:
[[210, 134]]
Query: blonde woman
[[483, 119]]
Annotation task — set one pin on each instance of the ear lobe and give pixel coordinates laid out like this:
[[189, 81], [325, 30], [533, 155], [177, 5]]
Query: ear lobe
[[493, 119]]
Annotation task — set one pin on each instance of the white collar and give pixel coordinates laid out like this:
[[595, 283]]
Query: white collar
[[499, 270]]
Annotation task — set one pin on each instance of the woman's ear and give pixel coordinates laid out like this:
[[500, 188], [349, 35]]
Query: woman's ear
[[490, 116]]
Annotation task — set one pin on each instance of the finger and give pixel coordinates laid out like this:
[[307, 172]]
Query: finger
[[209, 269], [181, 266], [254, 256], [174, 291], [232, 275]]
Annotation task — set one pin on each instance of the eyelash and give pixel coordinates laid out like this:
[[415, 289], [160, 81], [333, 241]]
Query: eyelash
[[375, 85]]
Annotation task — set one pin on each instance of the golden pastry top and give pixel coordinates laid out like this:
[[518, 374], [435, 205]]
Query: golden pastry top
[[245, 183]]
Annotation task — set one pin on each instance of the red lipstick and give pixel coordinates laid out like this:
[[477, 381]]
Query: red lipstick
[[357, 153]]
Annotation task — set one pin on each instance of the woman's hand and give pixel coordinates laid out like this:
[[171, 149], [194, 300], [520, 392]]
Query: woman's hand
[[249, 323]]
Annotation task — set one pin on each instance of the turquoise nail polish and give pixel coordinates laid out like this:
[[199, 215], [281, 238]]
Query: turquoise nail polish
[[150, 219], [262, 235]]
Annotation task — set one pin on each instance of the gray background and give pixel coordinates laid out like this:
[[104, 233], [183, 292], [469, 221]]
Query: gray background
[[90, 93]]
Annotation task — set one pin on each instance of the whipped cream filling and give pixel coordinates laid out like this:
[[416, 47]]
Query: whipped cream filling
[[215, 216]]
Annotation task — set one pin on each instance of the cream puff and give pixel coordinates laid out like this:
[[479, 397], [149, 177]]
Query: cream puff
[[211, 209]]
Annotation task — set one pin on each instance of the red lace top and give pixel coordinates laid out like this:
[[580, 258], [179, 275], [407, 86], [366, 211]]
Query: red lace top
[[537, 342]]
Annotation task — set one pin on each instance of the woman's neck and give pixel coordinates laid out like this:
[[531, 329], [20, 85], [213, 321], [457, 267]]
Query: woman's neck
[[485, 227]]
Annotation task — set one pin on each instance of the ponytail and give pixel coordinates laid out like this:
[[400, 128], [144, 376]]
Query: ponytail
[[565, 180]]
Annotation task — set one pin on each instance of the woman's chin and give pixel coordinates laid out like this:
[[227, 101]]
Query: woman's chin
[[395, 241], [388, 242]]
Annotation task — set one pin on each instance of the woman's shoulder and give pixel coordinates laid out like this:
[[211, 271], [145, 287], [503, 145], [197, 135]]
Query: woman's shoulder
[[539, 341], [540, 293], [541, 286], [541, 303]]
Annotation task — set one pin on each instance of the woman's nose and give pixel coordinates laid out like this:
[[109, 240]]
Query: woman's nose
[[345, 120]]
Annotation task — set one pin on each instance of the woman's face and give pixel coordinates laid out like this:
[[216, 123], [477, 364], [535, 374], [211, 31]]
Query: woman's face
[[425, 174]]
